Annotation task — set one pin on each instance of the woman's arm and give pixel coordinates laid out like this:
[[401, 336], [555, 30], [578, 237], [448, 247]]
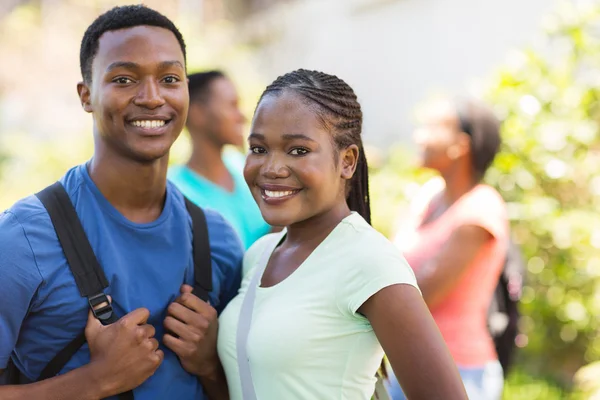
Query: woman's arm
[[413, 344], [441, 274]]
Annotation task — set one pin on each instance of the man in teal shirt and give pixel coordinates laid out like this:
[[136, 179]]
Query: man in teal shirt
[[213, 176]]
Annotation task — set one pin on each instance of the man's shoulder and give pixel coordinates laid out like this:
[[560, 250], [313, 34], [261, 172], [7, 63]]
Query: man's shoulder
[[26, 211], [29, 214]]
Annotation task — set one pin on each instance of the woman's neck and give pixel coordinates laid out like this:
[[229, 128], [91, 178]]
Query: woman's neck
[[458, 181], [317, 228]]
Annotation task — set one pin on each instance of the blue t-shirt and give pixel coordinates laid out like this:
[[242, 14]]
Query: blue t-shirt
[[237, 207], [41, 309]]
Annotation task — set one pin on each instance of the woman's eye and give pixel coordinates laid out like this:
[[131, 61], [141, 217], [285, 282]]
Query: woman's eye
[[299, 151], [171, 79], [122, 80], [257, 149]]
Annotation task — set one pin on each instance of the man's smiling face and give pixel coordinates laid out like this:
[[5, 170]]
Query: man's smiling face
[[138, 93]]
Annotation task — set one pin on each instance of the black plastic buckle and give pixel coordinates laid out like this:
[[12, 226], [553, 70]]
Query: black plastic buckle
[[104, 314]]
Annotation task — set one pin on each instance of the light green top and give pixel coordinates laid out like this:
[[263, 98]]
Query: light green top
[[307, 340]]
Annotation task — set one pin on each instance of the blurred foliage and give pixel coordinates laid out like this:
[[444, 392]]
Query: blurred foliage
[[549, 173], [548, 170], [521, 386], [587, 381]]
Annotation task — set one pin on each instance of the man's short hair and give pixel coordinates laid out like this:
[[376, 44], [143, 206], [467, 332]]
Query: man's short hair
[[199, 84], [120, 18]]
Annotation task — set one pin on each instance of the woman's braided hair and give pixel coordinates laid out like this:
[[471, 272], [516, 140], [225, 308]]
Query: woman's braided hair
[[338, 109]]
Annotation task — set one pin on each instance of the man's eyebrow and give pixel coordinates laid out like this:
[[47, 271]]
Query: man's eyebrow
[[122, 64], [168, 64], [132, 65]]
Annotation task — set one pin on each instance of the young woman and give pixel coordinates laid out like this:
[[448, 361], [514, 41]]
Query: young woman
[[334, 290], [457, 236]]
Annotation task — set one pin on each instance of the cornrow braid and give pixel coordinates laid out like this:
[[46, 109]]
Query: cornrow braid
[[339, 111]]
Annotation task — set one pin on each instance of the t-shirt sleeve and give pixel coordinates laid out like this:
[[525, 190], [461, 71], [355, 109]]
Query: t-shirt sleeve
[[367, 275], [484, 207], [19, 281], [227, 253]]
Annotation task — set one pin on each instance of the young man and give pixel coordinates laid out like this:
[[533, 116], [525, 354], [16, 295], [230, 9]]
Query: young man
[[164, 345], [213, 177]]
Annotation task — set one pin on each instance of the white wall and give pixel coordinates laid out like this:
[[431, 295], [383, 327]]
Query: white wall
[[396, 52]]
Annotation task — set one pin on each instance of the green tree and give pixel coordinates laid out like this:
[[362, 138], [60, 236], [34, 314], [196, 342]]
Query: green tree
[[548, 172]]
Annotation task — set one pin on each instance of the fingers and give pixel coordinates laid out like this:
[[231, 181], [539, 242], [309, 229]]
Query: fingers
[[181, 312], [176, 345], [145, 332], [192, 302], [150, 344], [158, 356], [186, 288], [93, 325], [136, 317], [186, 332]]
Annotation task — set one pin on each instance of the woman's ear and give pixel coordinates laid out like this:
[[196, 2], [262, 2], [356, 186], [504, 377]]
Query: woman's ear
[[460, 148], [349, 160]]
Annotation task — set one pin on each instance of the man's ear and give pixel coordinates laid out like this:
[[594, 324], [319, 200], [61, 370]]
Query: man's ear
[[84, 93], [349, 160]]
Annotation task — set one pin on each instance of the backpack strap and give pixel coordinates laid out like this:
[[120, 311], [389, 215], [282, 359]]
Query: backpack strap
[[82, 261], [201, 251], [85, 267]]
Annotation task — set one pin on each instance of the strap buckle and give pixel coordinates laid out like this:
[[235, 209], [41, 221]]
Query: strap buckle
[[105, 313]]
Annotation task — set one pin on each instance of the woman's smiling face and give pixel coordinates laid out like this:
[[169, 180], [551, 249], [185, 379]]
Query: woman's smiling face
[[292, 168]]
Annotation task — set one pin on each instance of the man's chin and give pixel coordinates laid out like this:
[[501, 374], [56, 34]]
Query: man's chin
[[150, 156]]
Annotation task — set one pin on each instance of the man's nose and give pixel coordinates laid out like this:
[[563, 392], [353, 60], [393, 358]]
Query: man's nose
[[149, 95]]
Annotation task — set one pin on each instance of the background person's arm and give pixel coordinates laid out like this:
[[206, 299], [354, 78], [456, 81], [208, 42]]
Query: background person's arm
[[413, 344], [438, 277]]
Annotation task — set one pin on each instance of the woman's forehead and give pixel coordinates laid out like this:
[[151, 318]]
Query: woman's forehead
[[287, 112]]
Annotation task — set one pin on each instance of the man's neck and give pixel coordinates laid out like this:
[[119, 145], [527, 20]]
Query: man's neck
[[136, 190], [206, 160]]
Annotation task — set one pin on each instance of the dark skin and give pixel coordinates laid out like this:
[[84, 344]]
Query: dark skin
[[446, 149], [138, 74], [290, 150], [213, 123]]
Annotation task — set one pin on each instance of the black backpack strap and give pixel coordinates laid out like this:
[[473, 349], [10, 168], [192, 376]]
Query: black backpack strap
[[82, 261], [62, 358], [201, 250], [84, 266]]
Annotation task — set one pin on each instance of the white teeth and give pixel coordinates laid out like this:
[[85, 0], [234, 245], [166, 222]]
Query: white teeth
[[149, 124], [270, 193]]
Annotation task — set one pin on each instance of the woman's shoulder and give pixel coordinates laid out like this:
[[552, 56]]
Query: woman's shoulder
[[366, 242], [484, 193]]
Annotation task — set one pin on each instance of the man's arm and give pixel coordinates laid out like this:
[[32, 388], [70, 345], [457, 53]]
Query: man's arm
[[122, 356], [215, 384], [79, 384]]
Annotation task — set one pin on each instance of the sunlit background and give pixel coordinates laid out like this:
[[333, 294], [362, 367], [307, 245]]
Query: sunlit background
[[536, 61]]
